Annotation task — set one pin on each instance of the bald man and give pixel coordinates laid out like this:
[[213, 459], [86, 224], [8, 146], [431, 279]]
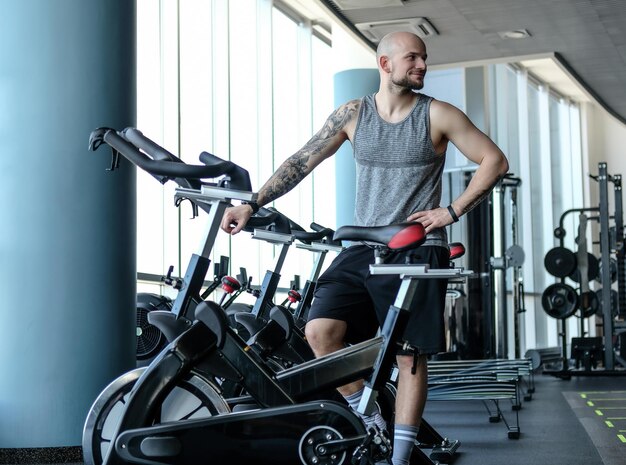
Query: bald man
[[399, 137]]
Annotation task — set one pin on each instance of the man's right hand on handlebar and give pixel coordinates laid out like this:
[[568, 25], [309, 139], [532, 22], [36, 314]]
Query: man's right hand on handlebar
[[235, 218]]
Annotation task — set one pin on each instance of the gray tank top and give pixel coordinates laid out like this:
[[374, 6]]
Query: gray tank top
[[397, 169]]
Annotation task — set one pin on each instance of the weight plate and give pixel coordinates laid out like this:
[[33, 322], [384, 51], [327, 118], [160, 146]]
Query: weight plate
[[515, 256], [560, 262], [589, 304], [593, 269], [559, 301]]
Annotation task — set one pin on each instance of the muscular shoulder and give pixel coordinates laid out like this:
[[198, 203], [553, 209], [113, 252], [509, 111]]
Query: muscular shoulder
[[444, 115], [345, 117], [348, 112], [446, 120], [342, 121], [338, 127]]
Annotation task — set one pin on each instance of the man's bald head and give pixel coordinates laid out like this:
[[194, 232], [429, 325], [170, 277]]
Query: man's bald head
[[390, 43], [401, 58]]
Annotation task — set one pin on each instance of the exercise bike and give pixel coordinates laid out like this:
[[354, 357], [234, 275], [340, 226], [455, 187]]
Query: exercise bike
[[195, 396], [342, 434]]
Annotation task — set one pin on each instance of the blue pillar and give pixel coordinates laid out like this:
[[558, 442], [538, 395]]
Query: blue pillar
[[67, 234], [349, 84]]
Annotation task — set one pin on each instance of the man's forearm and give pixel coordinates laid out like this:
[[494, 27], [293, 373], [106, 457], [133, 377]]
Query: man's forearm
[[286, 177], [480, 186], [323, 144]]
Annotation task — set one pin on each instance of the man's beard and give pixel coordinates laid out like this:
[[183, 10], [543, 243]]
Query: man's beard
[[405, 83]]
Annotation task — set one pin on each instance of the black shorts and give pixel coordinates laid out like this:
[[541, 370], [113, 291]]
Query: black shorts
[[346, 291]]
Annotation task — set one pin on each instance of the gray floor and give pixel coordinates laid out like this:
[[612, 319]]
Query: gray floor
[[551, 431]]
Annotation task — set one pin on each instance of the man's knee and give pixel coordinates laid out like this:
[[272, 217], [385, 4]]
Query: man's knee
[[411, 364], [325, 335]]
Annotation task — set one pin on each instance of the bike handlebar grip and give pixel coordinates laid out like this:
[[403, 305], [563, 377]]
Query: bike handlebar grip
[[136, 137], [329, 233], [239, 177], [293, 226], [125, 148], [282, 224], [316, 227], [168, 168], [256, 222], [319, 228], [212, 160], [305, 236]]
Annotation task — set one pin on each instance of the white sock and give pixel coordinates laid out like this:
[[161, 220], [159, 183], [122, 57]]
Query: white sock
[[374, 419], [403, 441]]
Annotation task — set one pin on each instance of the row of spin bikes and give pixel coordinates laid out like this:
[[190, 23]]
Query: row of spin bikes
[[243, 386]]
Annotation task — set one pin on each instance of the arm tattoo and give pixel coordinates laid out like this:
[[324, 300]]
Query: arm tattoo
[[295, 168], [482, 195], [286, 177]]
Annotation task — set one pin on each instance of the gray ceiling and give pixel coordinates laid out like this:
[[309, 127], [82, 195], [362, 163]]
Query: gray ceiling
[[589, 36]]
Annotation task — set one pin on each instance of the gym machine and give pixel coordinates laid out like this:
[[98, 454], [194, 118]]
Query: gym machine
[[491, 233], [503, 259], [561, 301]]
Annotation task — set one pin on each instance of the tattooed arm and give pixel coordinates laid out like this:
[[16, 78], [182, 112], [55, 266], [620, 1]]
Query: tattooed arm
[[449, 124], [337, 129]]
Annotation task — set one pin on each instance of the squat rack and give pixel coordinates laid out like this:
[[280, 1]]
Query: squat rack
[[611, 239], [610, 326]]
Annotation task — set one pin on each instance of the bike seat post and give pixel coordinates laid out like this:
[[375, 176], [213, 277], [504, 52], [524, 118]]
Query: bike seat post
[[215, 214], [215, 201], [317, 265], [392, 331], [367, 405], [272, 277], [321, 249], [199, 263]]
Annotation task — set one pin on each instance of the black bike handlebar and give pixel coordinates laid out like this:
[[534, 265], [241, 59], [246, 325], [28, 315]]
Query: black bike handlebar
[[268, 219], [159, 162], [303, 235], [328, 233], [136, 137], [256, 222], [239, 178], [307, 237]]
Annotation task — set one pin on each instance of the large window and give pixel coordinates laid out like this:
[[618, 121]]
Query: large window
[[539, 132], [246, 82]]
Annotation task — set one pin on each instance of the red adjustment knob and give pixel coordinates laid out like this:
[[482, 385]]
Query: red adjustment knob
[[230, 285], [456, 250], [294, 296]]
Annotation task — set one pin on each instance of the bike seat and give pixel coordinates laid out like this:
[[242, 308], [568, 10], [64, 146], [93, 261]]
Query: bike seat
[[396, 237], [247, 324], [457, 250], [284, 318], [213, 316], [168, 324]]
